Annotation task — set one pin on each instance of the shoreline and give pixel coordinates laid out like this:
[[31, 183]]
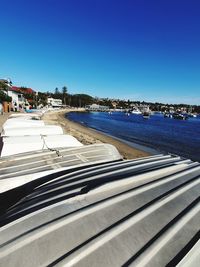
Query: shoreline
[[88, 135]]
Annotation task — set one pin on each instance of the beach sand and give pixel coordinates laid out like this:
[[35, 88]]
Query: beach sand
[[89, 136], [3, 119]]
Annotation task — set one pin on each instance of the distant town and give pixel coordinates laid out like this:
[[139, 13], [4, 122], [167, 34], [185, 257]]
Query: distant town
[[15, 98]]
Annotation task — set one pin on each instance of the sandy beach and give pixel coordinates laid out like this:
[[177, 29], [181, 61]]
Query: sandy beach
[[89, 136], [3, 119]]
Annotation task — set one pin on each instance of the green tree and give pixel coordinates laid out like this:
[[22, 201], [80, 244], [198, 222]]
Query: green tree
[[3, 86], [57, 91], [4, 97], [80, 100], [64, 91], [42, 99]]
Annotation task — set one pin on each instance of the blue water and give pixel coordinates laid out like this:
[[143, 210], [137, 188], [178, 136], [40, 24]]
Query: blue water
[[181, 137]]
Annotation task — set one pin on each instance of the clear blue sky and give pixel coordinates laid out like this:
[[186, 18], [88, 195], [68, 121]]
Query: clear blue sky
[[137, 49]]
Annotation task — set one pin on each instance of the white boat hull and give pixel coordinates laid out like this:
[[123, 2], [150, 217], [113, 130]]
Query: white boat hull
[[22, 144], [44, 130], [12, 123]]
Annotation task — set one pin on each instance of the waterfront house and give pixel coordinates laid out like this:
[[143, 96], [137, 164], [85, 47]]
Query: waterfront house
[[18, 100], [54, 102], [95, 107]]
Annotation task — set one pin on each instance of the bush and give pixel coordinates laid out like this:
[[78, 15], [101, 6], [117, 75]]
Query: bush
[[4, 97]]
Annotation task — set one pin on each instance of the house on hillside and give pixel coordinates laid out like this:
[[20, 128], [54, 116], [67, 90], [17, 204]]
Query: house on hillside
[[18, 100], [24, 90], [28, 94], [95, 107], [22, 97]]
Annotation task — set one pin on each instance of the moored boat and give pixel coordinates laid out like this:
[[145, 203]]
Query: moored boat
[[168, 115], [180, 116], [146, 115], [136, 111], [146, 112], [192, 115]]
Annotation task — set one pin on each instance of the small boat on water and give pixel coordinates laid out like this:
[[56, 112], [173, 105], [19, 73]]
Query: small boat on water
[[146, 115], [146, 112], [168, 115], [136, 111], [192, 115], [180, 116]]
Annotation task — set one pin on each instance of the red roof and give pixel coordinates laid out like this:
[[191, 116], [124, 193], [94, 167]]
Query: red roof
[[23, 90]]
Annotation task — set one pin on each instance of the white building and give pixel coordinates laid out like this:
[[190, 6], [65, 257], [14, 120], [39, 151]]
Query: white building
[[53, 102], [18, 100], [95, 107]]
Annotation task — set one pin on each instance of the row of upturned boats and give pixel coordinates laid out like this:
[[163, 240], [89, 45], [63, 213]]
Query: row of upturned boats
[[24, 132], [67, 204]]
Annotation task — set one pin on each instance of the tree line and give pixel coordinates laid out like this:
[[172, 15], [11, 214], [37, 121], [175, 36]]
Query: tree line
[[81, 100], [74, 100], [4, 93]]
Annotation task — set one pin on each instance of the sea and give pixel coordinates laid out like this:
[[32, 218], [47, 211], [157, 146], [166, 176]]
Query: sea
[[156, 134]]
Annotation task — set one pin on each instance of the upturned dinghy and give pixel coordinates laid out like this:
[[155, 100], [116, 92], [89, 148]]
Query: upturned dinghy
[[142, 212], [13, 123], [21, 144], [18, 169], [32, 115], [43, 130]]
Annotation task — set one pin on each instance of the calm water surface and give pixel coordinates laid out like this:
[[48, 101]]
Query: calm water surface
[[163, 134]]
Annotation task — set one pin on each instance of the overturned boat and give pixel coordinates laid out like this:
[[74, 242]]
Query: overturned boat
[[142, 212], [23, 131], [19, 169], [13, 145], [21, 123]]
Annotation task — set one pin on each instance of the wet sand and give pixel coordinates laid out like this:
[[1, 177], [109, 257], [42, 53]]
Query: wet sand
[[89, 136]]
